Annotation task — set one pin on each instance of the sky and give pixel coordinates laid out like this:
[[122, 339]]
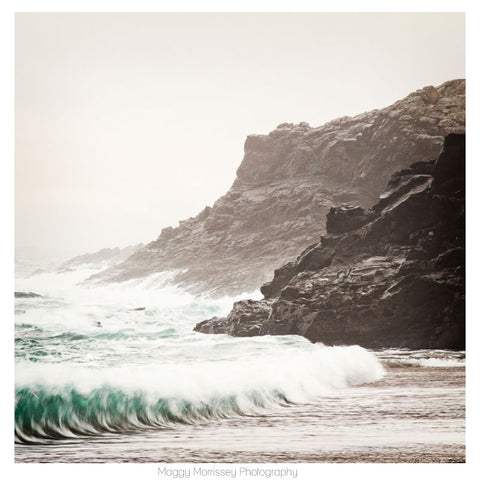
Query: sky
[[128, 123]]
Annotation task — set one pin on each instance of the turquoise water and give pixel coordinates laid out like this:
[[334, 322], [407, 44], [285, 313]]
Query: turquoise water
[[116, 373]]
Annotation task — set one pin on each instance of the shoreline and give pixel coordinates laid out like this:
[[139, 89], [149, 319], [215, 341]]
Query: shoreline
[[437, 454], [301, 433]]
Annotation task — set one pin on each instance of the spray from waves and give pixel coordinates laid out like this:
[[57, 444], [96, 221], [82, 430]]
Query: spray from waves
[[156, 288], [55, 403], [71, 285], [68, 303]]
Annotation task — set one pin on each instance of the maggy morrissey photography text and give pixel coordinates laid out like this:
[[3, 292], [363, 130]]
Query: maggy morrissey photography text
[[231, 472]]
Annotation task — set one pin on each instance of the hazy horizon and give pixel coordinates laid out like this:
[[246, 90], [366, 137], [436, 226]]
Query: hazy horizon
[[128, 123]]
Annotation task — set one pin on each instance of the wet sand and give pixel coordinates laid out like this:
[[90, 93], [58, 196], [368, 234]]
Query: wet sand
[[412, 415]]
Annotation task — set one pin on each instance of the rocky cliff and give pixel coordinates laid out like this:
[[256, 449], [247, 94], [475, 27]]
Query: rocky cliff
[[389, 276], [285, 186]]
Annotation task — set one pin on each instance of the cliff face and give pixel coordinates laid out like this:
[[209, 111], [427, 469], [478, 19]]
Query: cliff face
[[389, 276], [285, 186]]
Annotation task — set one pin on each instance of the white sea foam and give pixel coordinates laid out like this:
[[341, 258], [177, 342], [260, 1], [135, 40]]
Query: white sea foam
[[117, 358], [299, 375]]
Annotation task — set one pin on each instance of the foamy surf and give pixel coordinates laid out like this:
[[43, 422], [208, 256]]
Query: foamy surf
[[120, 365], [64, 401], [123, 357]]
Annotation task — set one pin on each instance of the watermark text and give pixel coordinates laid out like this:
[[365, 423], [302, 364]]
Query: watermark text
[[227, 472]]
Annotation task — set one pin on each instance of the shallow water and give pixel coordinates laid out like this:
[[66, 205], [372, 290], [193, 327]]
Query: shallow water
[[412, 415], [143, 387]]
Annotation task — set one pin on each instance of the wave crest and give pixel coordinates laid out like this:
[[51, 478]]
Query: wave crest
[[42, 414], [59, 402]]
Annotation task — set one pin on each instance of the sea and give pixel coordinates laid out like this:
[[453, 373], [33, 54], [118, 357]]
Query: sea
[[114, 373]]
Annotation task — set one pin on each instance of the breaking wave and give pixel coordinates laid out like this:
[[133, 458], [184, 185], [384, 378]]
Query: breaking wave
[[55, 402]]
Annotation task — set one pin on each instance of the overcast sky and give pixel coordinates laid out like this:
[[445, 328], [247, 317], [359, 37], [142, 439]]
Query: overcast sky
[[127, 123]]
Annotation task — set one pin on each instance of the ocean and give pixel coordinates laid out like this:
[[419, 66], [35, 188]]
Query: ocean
[[115, 373]]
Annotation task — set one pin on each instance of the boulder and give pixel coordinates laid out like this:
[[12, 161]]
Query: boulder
[[244, 320]]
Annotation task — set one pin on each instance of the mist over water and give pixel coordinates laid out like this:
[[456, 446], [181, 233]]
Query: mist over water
[[122, 362]]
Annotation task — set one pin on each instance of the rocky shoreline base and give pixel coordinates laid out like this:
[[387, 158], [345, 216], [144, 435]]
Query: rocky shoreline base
[[389, 276]]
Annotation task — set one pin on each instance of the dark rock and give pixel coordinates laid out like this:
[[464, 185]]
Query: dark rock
[[346, 218], [244, 320], [281, 277], [390, 277], [315, 257], [213, 325], [451, 258], [27, 295], [290, 293], [450, 166], [286, 184]]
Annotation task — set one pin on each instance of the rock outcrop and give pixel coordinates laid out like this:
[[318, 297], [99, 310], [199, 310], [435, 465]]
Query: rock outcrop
[[245, 319], [27, 295], [285, 186], [107, 256], [389, 276]]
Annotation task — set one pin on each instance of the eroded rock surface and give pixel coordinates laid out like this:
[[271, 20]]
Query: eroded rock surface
[[245, 319], [389, 276], [285, 186]]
